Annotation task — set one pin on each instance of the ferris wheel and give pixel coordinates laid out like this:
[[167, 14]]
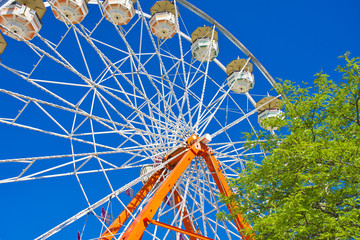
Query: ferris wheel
[[128, 111]]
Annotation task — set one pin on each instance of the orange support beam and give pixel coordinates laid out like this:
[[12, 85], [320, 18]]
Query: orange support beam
[[181, 158], [137, 228], [134, 203], [224, 188], [164, 225], [186, 220]]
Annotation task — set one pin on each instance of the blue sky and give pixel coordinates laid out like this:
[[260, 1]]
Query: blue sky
[[292, 39]]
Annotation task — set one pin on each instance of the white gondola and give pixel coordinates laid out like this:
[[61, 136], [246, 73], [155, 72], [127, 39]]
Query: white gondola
[[271, 109], [21, 22], [119, 11], [204, 45], [240, 79], [144, 170], [163, 20], [74, 10]]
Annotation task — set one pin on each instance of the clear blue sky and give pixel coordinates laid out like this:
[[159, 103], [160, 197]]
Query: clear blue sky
[[292, 39]]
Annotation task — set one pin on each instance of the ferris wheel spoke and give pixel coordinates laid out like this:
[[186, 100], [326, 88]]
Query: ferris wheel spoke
[[221, 127], [62, 61], [78, 111], [204, 82], [51, 45], [83, 55], [125, 97], [36, 84], [102, 43], [131, 52], [108, 63], [126, 32], [177, 219], [51, 82], [90, 32], [91, 123], [101, 100], [60, 135], [128, 121], [212, 111], [242, 111], [11, 122], [51, 117], [85, 159], [220, 146], [162, 67], [38, 175], [226, 148], [196, 73], [87, 210], [104, 172], [239, 120], [50, 157]]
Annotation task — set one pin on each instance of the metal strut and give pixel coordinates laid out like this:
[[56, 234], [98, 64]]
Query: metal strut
[[130, 208], [164, 225], [224, 188], [137, 228]]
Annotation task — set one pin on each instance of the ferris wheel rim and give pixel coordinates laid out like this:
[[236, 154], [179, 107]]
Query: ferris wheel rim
[[122, 189], [221, 28]]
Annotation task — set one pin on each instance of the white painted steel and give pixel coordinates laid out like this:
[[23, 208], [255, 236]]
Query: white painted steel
[[119, 100], [5, 3], [20, 22]]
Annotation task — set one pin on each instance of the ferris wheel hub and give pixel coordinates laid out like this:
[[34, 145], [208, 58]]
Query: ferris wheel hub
[[205, 139]]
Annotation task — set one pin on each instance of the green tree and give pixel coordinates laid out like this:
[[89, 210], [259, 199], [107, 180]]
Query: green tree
[[308, 185]]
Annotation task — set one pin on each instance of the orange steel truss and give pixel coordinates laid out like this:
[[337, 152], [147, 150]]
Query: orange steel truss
[[189, 226], [224, 188], [130, 208], [164, 225], [180, 160]]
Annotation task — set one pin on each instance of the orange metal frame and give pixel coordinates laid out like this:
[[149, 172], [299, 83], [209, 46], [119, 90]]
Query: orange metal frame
[[186, 220], [177, 165], [130, 208], [164, 225], [224, 188]]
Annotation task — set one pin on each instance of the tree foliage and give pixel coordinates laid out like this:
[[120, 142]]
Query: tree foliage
[[308, 185]]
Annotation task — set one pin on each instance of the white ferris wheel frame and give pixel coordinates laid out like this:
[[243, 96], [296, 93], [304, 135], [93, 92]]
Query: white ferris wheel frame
[[73, 109]]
